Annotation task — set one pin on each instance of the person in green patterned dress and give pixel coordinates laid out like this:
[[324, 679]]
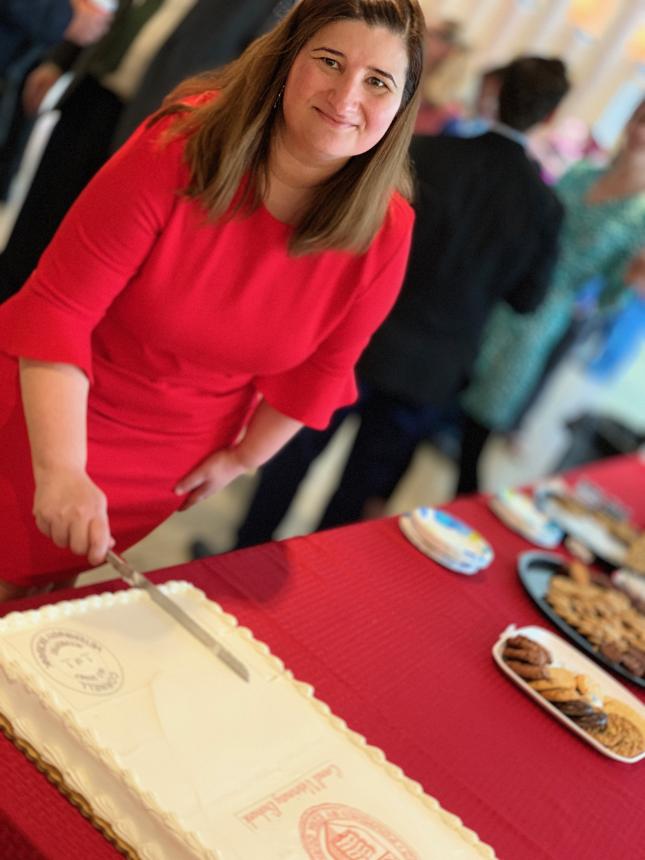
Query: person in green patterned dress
[[603, 230]]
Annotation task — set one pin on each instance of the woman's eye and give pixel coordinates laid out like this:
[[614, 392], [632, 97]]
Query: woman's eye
[[377, 83], [328, 61]]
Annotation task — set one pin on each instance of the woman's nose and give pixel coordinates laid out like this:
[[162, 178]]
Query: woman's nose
[[345, 95]]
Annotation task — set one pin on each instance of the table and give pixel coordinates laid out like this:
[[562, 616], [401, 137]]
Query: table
[[401, 649]]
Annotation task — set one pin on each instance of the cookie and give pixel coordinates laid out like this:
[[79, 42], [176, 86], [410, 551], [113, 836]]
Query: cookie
[[620, 736], [597, 720], [561, 695], [557, 678], [579, 572], [525, 642], [634, 661], [576, 708], [527, 670], [562, 677], [611, 651], [536, 656]]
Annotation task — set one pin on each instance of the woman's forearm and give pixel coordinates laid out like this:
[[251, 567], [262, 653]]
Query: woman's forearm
[[68, 507], [268, 431], [54, 399]]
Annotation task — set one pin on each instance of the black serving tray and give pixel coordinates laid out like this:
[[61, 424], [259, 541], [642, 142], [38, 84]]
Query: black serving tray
[[535, 570]]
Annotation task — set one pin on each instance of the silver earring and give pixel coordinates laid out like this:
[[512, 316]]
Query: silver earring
[[278, 98]]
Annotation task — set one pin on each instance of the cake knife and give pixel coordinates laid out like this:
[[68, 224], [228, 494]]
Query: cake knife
[[138, 580]]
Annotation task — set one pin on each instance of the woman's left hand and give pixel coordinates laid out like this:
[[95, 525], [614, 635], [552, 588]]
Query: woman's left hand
[[213, 474]]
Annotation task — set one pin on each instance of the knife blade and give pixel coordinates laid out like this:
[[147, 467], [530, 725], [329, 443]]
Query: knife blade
[[138, 580]]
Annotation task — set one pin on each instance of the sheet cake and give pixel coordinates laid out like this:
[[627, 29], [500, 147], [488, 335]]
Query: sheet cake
[[183, 759]]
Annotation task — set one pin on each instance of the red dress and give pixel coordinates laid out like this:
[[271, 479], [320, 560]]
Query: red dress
[[180, 323]]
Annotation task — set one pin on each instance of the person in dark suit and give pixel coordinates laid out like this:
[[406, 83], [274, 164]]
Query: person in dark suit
[[486, 231], [192, 48], [93, 110], [27, 31]]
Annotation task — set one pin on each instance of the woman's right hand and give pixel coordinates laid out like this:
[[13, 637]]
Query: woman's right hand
[[71, 510]]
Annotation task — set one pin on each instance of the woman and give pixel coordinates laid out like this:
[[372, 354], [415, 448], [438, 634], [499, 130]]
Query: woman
[[210, 291], [603, 229]]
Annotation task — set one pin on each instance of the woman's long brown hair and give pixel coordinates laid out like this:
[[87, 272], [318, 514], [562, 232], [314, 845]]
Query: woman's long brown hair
[[229, 137]]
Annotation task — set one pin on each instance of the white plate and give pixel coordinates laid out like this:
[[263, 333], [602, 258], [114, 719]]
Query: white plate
[[407, 527], [519, 513], [457, 537], [568, 657]]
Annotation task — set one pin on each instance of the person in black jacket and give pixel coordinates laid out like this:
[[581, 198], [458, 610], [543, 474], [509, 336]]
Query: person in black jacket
[[94, 108], [486, 231], [27, 31]]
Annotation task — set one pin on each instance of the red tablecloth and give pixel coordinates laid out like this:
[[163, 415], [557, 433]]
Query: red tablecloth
[[401, 649]]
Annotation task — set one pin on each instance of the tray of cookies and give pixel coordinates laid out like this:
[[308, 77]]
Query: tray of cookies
[[602, 618], [574, 690], [589, 518]]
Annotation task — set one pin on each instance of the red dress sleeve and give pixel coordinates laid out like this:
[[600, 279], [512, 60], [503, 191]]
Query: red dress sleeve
[[101, 243], [313, 390]]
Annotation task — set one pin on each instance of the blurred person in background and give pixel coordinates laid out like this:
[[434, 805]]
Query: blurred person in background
[[621, 332], [486, 230], [561, 144], [485, 107], [211, 289], [28, 28], [444, 67], [106, 77], [212, 33], [25, 26], [603, 230]]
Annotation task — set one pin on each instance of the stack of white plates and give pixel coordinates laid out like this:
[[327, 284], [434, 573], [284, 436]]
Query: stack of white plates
[[447, 540], [519, 512]]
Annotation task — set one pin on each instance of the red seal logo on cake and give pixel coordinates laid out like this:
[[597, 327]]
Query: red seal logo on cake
[[336, 832], [77, 661]]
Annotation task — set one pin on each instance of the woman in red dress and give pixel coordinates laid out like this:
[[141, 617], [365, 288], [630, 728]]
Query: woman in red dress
[[212, 288]]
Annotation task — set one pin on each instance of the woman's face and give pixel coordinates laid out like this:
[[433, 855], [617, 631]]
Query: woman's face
[[635, 130], [343, 91]]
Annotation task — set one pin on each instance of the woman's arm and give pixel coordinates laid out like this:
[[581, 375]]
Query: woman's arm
[[268, 431], [68, 507]]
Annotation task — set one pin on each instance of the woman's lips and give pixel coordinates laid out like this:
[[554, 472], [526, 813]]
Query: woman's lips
[[335, 122]]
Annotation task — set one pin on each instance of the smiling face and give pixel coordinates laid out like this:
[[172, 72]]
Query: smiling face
[[343, 91]]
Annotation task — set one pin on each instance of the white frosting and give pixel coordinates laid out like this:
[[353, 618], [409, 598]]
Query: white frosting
[[186, 760]]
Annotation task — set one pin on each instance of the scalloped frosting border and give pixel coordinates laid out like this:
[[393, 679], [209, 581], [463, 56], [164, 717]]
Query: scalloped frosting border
[[57, 779], [16, 621]]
